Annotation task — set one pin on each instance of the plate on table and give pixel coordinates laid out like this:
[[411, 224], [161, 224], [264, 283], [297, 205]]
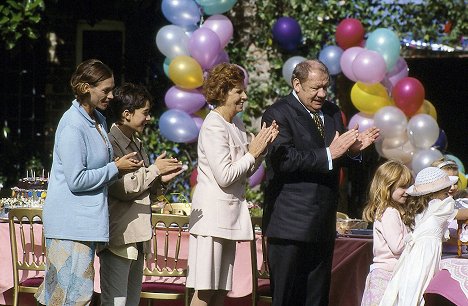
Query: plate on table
[[360, 233]]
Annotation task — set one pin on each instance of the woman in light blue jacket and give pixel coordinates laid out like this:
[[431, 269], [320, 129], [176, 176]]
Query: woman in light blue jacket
[[75, 212]]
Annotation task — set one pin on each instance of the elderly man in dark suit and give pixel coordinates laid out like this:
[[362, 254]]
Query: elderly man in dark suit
[[302, 181]]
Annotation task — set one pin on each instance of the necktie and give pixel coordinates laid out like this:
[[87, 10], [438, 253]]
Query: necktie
[[318, 122]]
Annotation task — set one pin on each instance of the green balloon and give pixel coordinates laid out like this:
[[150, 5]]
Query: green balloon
[[385, 42]]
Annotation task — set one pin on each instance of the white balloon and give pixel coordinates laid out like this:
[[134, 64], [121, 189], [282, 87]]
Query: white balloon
[[424, 159], [423, 131], [288, 67], [172, 41], [391, 121]]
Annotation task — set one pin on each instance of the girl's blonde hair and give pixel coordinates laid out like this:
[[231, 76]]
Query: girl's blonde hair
[[388, 177]]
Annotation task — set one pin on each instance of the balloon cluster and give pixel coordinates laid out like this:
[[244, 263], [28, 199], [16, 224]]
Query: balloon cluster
[[191, 49]]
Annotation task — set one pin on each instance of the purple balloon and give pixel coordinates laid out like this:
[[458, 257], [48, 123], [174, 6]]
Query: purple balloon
[[399, 71], [287, 32], [187, 100], [222, 26], [369, 67], [204, 47], [364, 121], [257, 177], [246, 76], [222, 57], [198, 121], [177, 126], [346, 62]]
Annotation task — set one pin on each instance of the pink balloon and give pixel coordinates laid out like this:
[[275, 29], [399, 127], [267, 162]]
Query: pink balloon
[[369, 67], [204, 47], [198, 121], [222, 26], [349, 33], [257, 177], [408, 95], [187, 100], [364, 121], [346, 62]]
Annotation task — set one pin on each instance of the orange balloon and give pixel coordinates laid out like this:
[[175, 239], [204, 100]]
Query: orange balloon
[[428, 108], [185, 72], [369, 98]]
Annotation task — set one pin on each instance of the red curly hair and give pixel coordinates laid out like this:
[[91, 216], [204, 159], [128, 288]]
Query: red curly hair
[[221, 79]]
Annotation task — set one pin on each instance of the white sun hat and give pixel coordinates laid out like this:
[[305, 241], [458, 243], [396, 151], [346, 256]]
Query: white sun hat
[[429, 180]]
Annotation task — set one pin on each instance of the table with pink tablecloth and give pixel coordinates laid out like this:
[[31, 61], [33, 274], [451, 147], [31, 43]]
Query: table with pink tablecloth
[[351, 262]]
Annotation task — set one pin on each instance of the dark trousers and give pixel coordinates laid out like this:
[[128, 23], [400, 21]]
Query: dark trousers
[[300, 272]]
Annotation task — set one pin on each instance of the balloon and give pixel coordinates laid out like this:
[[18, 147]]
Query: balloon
[[369, 98], [181, 12], [461, 181], [187, 100], [177, 126], [403, 153], [213, 7], [378, 146], [172, 41], [428, 108], [408, 95], [246, 76], [204, 46], [287, 32], [166, 64], [198, 121], [257, 177], [461, 167], [185, 72], [387, 44], [202, 113], [288, 67], [344, 119], [441, 142], [193, 177], [222, 57], [364, 121], [349, 33], [423, 131], [399, 71], [369, 67], [391, 121], [330, 56], [222, 26], [346, 62], [424, 159]]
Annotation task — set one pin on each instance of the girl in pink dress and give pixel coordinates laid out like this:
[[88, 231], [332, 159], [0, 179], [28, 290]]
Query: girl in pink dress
[[385, 208]]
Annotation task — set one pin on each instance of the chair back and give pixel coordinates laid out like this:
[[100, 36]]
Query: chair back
[[259, 271], [28, 250], [461, 225], [164, 261]]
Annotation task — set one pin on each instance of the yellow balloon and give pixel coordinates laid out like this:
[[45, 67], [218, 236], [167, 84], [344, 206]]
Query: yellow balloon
[[185, 72], [369, 98], [461, 181], [428, 108]]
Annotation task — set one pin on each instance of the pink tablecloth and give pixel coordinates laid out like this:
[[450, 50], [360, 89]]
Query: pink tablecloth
[[351, 262]]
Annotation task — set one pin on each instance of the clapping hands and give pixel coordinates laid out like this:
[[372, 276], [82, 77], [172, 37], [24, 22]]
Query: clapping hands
[[352, 141], [169, 167], [266, 136]]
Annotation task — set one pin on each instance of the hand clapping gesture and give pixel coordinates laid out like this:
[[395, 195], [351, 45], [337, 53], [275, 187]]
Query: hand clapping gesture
[[128, 163], [266, 136], [168, 167]]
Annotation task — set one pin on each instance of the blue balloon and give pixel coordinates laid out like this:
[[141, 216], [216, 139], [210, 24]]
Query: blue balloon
[[441, 142], [181, 12], [331, 56], [461, 167], [213, 7], [387, 43], [287, 32], [167, 62], [178, 126]]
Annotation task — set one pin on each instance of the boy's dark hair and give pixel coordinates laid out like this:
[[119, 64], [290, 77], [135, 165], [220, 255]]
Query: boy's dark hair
[[129, 97]]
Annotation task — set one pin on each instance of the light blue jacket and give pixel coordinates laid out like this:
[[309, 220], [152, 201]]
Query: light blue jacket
[[82, 168]]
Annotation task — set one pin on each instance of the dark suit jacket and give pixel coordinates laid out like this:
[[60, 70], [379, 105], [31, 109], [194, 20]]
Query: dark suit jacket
[[301, 194]]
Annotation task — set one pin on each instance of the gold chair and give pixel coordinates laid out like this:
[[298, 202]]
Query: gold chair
[[259, 293], [164, 261], [27, 249], [340, 215], [460, 243]]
